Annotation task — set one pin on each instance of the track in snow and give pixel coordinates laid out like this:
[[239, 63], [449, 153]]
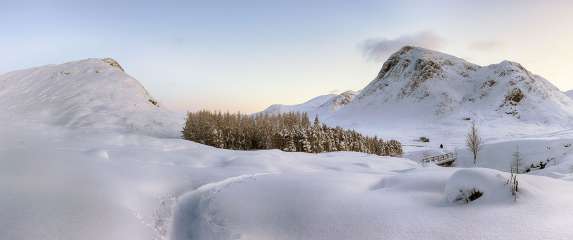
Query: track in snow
[[196, 218]]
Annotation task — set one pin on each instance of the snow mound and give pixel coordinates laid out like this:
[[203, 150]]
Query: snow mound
[[91, 93], [194, 208], [478, 185]]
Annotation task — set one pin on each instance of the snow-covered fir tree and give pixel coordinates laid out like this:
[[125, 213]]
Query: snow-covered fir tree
[[292, 132]]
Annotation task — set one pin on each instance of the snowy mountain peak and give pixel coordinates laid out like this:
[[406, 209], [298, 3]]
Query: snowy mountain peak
[[417, 87], [90, 93], [447, 83], [426, 61], [413, 67]]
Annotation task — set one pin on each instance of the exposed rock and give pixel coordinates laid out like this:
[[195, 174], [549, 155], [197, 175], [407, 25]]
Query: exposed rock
[[515, 96], [344, 98], [113, 63], [154, 102], [423, 70], [488, 84]]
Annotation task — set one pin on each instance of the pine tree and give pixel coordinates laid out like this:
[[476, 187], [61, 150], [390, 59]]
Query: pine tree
[[288, 132]]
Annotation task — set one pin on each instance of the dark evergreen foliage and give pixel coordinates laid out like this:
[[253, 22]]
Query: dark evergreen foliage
[[291, 132]]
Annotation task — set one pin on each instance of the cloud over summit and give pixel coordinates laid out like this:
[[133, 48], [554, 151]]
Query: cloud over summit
[[378, 49]]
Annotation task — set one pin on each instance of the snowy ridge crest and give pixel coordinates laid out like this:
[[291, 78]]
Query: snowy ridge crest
[[90, 93]]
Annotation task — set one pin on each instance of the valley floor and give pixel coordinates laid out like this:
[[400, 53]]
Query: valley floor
[[57, 183]]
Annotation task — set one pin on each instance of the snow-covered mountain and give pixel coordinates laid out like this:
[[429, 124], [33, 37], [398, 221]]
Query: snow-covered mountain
[[310, 105], [94, 93], [450, 85], [321, 105], [418, 87]]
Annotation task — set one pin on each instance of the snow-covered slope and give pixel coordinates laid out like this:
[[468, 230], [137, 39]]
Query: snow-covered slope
[[321, 105], [310, 105], [569, 93], [91, 93], [61, 181], [419, 89]]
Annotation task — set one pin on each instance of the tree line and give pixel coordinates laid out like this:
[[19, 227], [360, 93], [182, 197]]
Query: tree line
[[291, 132]]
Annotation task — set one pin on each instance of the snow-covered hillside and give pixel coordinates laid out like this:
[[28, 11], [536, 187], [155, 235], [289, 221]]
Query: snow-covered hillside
[[91, 93], [423, 89], [308, 106], [319, 106], [84, 156]]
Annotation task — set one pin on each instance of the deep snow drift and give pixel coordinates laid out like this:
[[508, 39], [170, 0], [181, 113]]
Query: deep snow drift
[[83, 157]]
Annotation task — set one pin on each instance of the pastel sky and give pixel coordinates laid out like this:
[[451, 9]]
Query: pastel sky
[[245, 55]]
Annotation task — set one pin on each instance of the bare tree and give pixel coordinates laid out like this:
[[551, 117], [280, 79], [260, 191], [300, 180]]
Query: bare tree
[[473, 141], [514, 171], [517, 161]]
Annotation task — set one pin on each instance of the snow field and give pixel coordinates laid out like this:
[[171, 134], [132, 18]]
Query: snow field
[[86, 155]]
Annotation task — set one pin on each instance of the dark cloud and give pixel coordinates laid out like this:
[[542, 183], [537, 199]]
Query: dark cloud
[[379, 49], [485, 45]]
